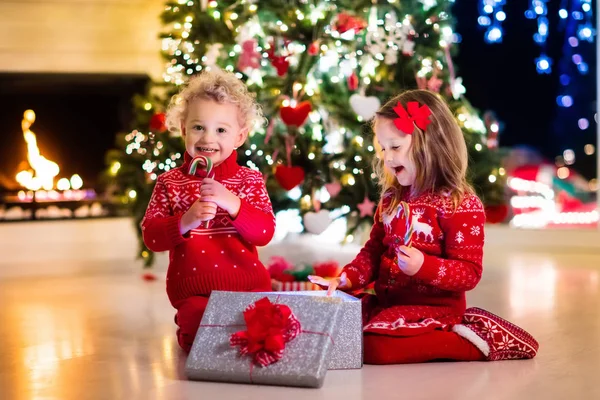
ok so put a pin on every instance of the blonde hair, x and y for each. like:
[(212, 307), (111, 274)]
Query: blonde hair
[(439, 153), (221, 87)]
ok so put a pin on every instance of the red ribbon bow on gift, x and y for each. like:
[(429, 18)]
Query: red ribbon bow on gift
[(270, 327), (415, 114)]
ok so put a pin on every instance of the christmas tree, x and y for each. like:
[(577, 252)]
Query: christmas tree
[(320, 69)]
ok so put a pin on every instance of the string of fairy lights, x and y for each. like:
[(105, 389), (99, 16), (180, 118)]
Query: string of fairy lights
[(575, 21)]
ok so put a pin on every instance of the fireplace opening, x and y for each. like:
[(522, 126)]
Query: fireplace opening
[(56, 129)]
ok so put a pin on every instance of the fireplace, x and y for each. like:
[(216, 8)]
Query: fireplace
[(56, 129)]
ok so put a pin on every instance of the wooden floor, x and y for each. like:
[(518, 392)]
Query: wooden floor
[(104, 333)]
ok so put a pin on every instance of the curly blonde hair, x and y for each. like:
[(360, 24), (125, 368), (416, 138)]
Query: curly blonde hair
[(439, 153), (219, 86)]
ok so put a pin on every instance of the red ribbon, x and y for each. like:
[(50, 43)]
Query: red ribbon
[(269, 327), (415, 115)]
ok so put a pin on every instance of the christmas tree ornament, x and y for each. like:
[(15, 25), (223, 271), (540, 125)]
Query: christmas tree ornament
[(346, 22), (281, 64), (313, 48), (295, 115), (289, 177), (316, 223), (366, 207), (213, 52), (434, 84), (364, 106), (249, 58), (157, 122), (353, 81), (390, 39), (333, 188)]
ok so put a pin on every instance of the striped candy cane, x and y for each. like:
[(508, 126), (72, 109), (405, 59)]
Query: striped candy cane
[(204, 163)]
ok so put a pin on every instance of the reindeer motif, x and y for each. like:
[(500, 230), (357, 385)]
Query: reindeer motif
[(421, 227), (388, 218)]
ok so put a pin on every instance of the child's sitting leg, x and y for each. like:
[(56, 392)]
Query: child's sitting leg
[(436, 345), (188, 317)]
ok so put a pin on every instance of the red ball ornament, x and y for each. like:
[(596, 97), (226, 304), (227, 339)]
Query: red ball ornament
[(289, 177), (346, 22), (157, 122), (353, 81), (295, 116), (313, 48)]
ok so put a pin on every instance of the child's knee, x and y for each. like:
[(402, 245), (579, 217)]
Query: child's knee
[(189, 314), (376, 349)]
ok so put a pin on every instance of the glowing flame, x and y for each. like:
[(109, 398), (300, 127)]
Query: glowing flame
[(44, 170)]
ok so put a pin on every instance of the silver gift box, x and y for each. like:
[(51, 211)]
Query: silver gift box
[(304, 361), (348, 343)]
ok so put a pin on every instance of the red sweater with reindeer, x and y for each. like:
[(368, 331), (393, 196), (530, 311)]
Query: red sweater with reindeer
[(452, 244), (222, 256)]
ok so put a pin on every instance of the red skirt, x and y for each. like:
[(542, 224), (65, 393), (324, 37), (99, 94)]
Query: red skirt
[(406, 320)]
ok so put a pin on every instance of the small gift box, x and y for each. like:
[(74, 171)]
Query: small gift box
[(264, 339), (279, 286), (347, 350), (286, 277)]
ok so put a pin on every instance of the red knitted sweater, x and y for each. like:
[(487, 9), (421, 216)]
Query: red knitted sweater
[(222, 256), (451, 241)]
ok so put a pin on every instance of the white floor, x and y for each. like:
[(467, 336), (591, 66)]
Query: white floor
[(103, 333)]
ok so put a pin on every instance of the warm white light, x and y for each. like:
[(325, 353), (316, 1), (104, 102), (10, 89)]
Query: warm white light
[(295, 193), (114, 168), (76, 182), (562, 172), (63, 184)]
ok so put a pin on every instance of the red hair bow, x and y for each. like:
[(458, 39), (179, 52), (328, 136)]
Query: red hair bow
[(269, 327), (415, 114)]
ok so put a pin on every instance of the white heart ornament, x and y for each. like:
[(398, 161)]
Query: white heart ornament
[(365, 106), (317, 223)]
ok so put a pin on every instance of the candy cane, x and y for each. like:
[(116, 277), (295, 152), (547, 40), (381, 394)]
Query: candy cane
[(204, 163), (409, 225)]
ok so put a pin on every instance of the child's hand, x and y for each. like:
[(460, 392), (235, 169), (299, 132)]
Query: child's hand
[(199, 211), (410, 260), (217, 193), (341, 282)]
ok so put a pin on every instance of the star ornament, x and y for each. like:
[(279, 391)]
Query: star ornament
[(366, 208)]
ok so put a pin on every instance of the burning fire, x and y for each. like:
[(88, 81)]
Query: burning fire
[(44, 170)]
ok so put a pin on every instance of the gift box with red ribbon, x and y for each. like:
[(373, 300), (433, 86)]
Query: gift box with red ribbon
[(268, 339), (347, 350)]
